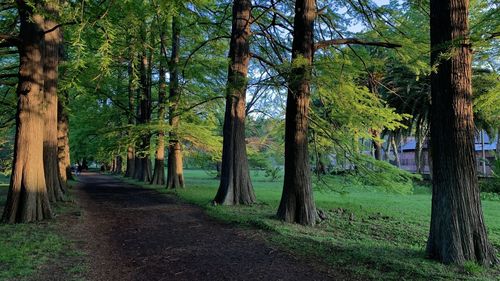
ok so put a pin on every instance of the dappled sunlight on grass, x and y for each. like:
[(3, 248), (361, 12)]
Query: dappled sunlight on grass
[(370, 233)]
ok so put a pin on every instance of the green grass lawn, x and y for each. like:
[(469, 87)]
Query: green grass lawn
[(370, 233), (25, 248)]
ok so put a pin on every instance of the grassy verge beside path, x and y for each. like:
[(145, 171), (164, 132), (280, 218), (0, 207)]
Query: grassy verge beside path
[(370, 233), (27, 248)]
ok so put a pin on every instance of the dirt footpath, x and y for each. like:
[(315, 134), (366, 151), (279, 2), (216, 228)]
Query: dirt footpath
[(131, 233)]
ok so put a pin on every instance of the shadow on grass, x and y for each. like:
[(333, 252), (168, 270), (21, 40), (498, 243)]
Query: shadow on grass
[(27, 248), (369, 261), (373, 246)]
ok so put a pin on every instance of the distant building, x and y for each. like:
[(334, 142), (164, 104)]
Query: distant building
[(483, 144)]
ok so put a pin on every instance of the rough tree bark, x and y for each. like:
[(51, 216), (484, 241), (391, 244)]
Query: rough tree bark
[(27, 199), (159, 170), (297, 203), (235, 184), (457, 232), (52, 44), (143, 165), (175, 174), (63, 140)]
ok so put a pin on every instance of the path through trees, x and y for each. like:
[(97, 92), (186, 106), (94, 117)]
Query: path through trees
[(133, 233)]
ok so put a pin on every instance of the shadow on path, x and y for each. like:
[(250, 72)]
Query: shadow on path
[(131, 233)]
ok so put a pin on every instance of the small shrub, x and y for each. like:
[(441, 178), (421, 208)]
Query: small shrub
[(491, 196)]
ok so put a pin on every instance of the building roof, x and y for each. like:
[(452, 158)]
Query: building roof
[(489, 143)]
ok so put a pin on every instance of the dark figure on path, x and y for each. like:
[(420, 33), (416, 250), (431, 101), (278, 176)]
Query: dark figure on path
[(103, 169)]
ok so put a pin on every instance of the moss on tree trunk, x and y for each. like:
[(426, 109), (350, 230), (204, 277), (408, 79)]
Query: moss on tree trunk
[(235, 183), (297, 203)]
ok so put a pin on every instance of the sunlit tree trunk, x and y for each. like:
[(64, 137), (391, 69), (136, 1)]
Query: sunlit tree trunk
[(116, 165), (159, 170), (27, 199), (377, 145), (175, 174), (297, 203), (395, 151), (457, 232), (112, 167), (129, 172), (63, 139), (235, 184), (52, 45), (388, 148)]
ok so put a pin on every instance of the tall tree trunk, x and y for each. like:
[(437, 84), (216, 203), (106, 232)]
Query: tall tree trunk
[(131, 119), (457, 231), (483, 155), (63, 139), (159, 170), (396, 152), (297, 203), (52, 43), (118, 165), (218, 167), (112, 168), (27, 199), (175, 174), (143, 168), (498, 145), (377, 145), (137, 164), (235, 184), (388, 147), (129, 172), (418, 154), (421, 133)]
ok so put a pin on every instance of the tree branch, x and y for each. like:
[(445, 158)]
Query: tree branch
[(9, 40), (195, 50), (8, 75), (255, 56), (58, 26), (349, 41), (494, 35), (8, 52), (184, 110)]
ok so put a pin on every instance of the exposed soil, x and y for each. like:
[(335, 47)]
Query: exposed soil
[(131, 233)]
